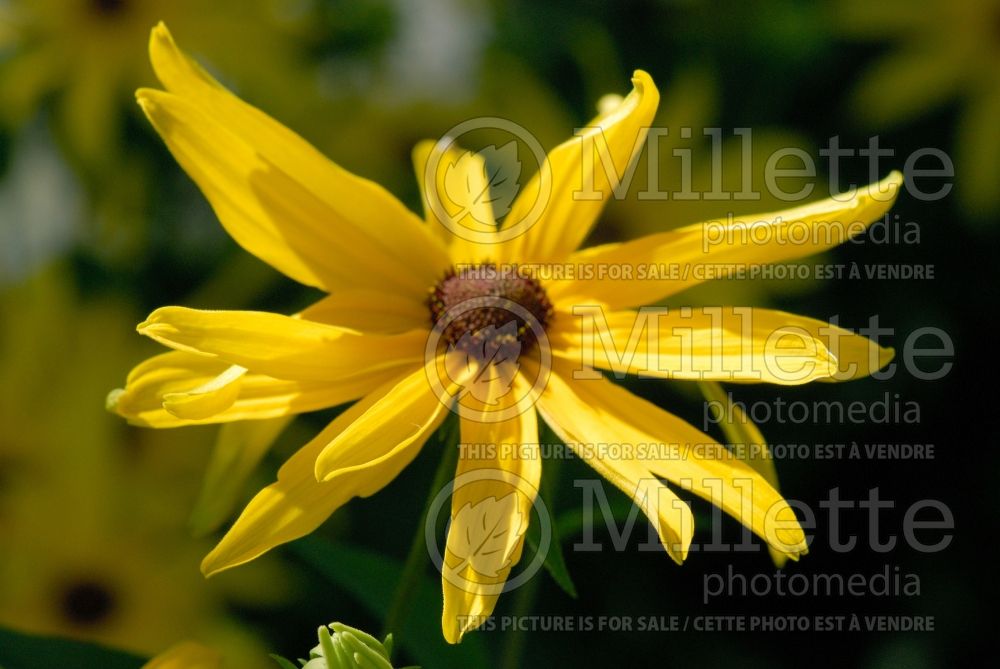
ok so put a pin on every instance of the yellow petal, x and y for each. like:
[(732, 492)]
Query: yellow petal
[(687, 256), (281, 346), (454, 169), (186, 655), (370, 312), (176, 373), (592, 412), (278, 196), (238, 450), (406, 415), (496, 482), (571, 200), (747, 441), (209, 398), (720, 343), (297, 503), (584, 429)]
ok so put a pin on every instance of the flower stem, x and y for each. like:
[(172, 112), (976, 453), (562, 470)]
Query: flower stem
[(417, 558), (514, 647)]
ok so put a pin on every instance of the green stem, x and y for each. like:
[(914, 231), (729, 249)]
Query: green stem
[(513, 649), (417, 558), (523, 604)]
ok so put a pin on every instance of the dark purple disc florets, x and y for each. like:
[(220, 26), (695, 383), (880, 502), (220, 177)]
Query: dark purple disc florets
[(481, 301)]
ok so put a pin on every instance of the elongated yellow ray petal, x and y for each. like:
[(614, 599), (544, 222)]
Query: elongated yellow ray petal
[(370, 312), (576, 186), (742, 344), (748, 444), (472, 216), (596, 411), (209, 398), (281, 346), (278, 196), (496, 481), (584, 430), (296, 504), (713, 249), (404, 416), (174, 374)]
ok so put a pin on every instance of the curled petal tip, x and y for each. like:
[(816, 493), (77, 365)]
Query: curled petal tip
[(160, 32), (887, 353), (894, 180), (209, 568), (146, 99), (641, 76), (111, 401), (643, 82)]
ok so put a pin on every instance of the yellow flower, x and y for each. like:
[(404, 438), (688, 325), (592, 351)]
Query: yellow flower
[(88, 56), (942, 52), (92, 518), (369, 339), (187, 655)]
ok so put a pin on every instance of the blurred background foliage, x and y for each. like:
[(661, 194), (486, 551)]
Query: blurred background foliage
[(98, 226)]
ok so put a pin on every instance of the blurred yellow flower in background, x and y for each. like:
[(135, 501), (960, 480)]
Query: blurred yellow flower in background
[(93, 516), (317, 223), (89, 55), (186, 655), (943, 51)]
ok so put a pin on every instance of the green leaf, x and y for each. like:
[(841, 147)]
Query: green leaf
[(570, 523), (554, 562), (27, 651), (285, 664), (370, 577)]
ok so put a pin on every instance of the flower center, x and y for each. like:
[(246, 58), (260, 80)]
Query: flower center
[(108, 8), (87, 603), (481, 303)]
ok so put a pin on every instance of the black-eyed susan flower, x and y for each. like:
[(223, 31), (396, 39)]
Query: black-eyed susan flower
[(122, 569), (85, 57), (423, 317), (186, 655)]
